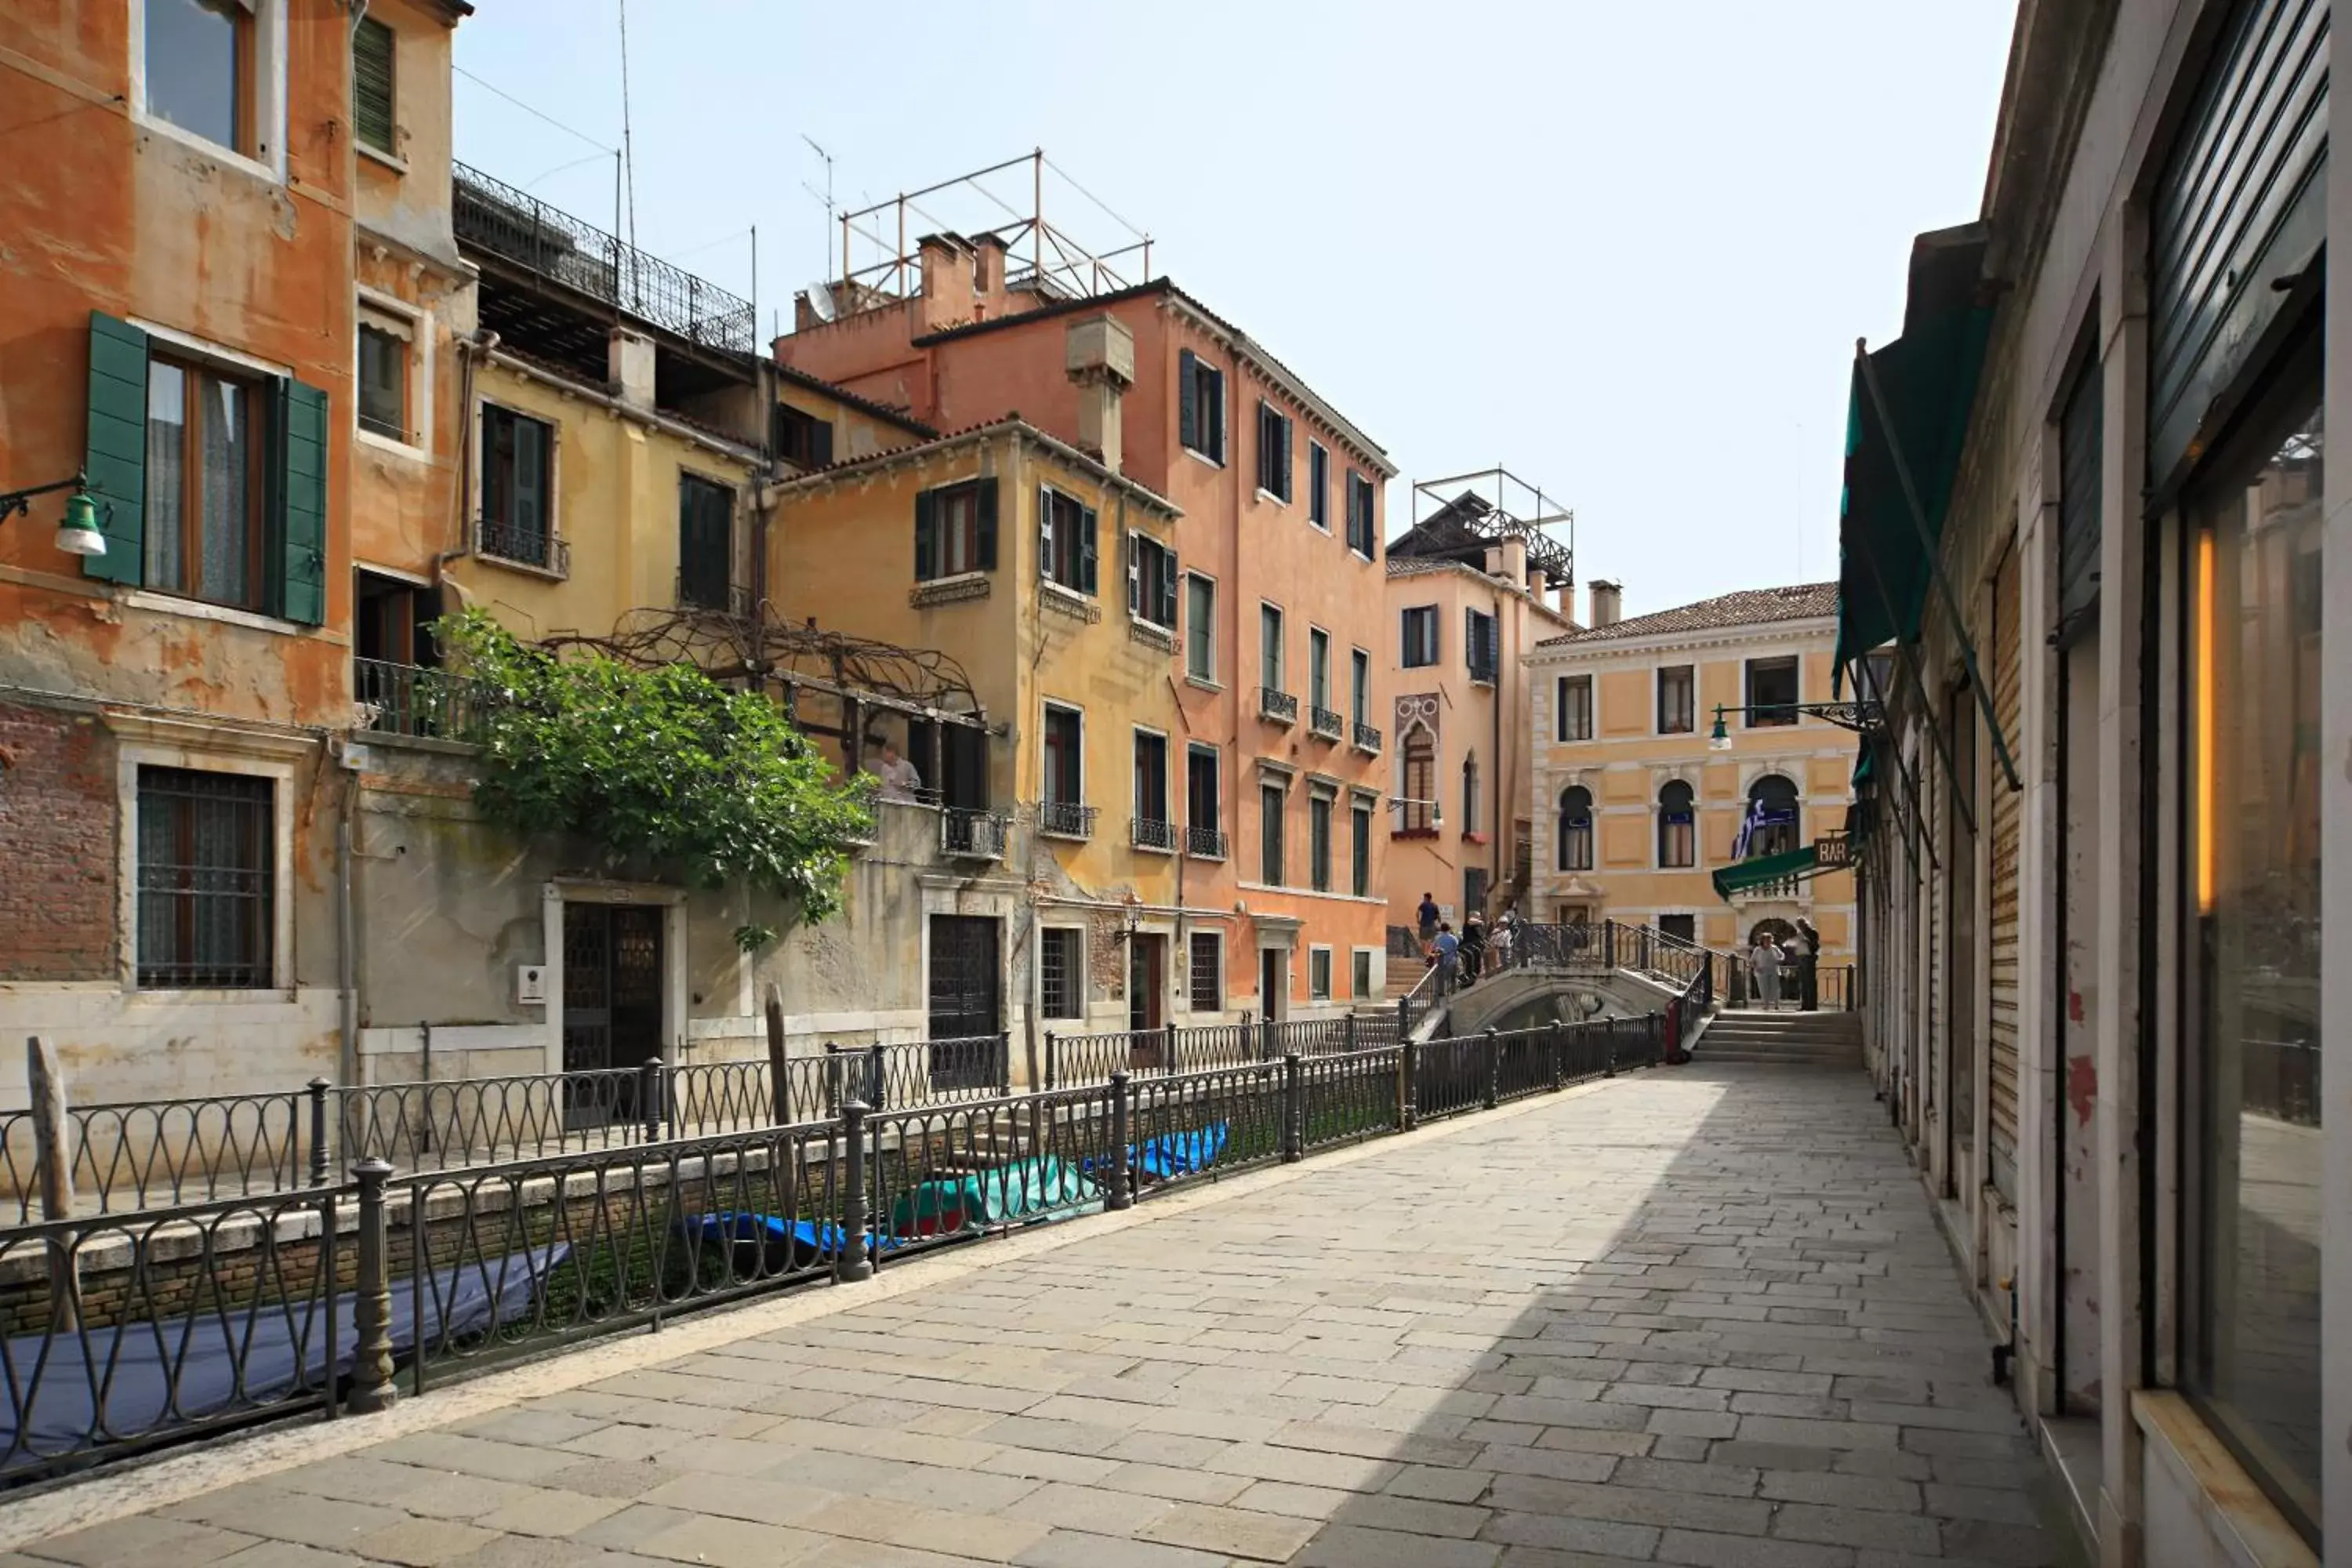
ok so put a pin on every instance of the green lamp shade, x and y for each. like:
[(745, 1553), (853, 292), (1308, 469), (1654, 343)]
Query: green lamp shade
[(79, 534)]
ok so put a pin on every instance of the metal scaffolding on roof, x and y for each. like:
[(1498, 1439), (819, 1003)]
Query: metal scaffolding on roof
[(1467, 512)]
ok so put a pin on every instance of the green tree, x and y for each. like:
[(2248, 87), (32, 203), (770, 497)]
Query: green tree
[(659, 762)]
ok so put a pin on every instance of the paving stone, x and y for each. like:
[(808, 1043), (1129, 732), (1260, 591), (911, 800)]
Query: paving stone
[(1717, 1480), (279, 1515), (1178, 1486), (728, 1497), (1096, 1510), (1856, 1527), (1439, 1483), (1236, 1533), (1840, 1490), (1560, 1532), (1075, 1549), (1703, 1550), (727, 1544), (422, 1542), (548, 1512), (1347, 1546), (144, 1538)]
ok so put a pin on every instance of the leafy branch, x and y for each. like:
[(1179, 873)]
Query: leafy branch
[(661, 762)]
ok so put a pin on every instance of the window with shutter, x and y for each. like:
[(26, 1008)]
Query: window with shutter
[(706, 544), (114, 448), (1318, 486), (1199, 406), (372, 84), (515, 512), (1065, 533), (927, 545), (1188, 399), (301, 586)]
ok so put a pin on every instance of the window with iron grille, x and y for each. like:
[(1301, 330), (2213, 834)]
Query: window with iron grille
[(207, 879), (1061, 972), (372, 84), (1207, 979), (1273, 451), (1064, 755), (516, 486)]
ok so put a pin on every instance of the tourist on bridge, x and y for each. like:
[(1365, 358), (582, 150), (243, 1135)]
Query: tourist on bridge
[(1474, 947), (1427, 915), (1446, 948), (1766, 962)]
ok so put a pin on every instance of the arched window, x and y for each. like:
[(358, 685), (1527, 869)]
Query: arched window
[(1470, 794), (1678, 826), (1771, 827), (1419, 801), (1576, 828)]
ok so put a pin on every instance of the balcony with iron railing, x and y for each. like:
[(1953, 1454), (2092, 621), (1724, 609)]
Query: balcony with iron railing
[(1065, 819), (524, 544), (1276, 707), (410, 700), (1368, 738), (1150, 833), (1482, 671), (1205, 842), (1326, 722), (511, 224), (972, 833)]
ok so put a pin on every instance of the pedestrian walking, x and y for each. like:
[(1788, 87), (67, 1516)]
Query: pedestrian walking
[(1808, 966), (1446, 949), (1474, 947), (1426, 916), (1505, 938)]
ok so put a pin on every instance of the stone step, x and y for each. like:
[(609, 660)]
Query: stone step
[(1792, 1037)]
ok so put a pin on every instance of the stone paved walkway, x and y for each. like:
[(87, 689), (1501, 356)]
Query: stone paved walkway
[(1698, 1316)]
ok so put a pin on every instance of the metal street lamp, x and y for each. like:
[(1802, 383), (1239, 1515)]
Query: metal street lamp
[(1862, 717), (78, 534)]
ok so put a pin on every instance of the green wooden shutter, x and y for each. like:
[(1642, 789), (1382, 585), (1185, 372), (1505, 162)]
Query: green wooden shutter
[(820, 445), (985, 510), (302, 497), (114, 449), (1087, 551), (531, 525), (372, 49), (925, 537), (1168, 580), (1188, 400)]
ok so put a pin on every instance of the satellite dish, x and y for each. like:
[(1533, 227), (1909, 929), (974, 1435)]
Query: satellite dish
[(819, 296)]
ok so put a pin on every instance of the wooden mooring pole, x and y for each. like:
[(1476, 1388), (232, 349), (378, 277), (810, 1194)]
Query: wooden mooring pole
[(53, 1163)]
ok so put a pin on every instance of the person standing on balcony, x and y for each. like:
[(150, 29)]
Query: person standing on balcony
[(898, 776)]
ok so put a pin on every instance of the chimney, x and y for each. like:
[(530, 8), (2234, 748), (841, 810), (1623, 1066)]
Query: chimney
[(1537, 584), (988, 274), (629, 367), (947, 281), (1100, 357), (1515, 561), (1493, 563), (1607, 602)]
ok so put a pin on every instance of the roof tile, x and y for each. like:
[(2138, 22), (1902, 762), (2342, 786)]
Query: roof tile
[(1748, 608)]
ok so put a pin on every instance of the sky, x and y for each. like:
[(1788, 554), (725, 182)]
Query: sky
[(1624, 250)]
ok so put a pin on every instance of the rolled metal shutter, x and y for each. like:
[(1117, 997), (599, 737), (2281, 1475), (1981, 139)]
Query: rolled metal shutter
[(2001, 1144), (2239, 208)]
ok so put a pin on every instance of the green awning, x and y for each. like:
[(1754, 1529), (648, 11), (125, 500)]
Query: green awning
[(1929, 377), (1744, 873)]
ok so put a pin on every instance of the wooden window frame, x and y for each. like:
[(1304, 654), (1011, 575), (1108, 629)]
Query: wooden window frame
[(192, 483)]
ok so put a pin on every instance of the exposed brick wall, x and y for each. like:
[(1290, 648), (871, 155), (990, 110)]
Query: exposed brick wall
[(57, 820)]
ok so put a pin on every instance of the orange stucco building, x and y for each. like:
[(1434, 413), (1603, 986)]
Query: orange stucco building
[(1267, 652)]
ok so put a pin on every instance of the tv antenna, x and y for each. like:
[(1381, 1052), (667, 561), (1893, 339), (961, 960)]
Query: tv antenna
[(826, 195)]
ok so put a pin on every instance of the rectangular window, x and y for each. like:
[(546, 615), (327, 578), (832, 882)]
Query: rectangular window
[(706, 544), (1064, 755), (1319, 668), (1361, 977), (1200, 406), (1318, 974), (1318, 842), (516, 516), (1066, 529), (1420, 636), (1207, 978), (204, 517), (1772, 693), (1152, 579), (800, 438), (200, 69), (1318, 486), (1062, 971), (1269, 833), (1274, 463), (1360, 525), (1676, 716), (1359, 854), (1203, 801), (373, 78), (1575, 716), (955, 529), (383, 376), (1481, 649), (1152, 787), (207, 879), (2252, 866), (1200, 626), (1360, 688), (1269, 647)]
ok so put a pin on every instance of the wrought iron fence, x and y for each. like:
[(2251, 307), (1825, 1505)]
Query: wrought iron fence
[(410, 699), (510, 223), (1065, 819), (1151, 833), (525, 544), (150, 1154), (1205, 842), (1328, 722), (972, 834), (129, 1331), (1367, 738), (1282, 706)]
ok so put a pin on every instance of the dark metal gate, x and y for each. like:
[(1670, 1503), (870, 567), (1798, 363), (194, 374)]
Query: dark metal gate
[(612, 1001), (965, 994)]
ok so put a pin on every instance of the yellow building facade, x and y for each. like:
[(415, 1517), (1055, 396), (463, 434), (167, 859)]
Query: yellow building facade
[(1636, 809)]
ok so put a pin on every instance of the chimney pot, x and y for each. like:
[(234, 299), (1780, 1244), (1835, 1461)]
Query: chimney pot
[(1607, 602), (1099, 356), (629, 367)]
